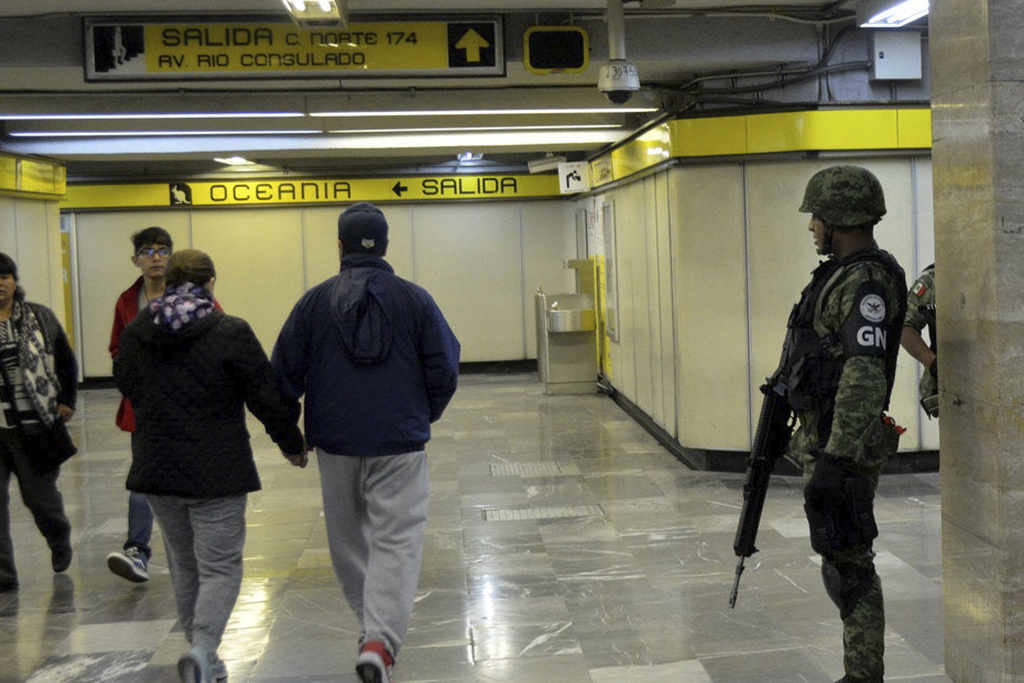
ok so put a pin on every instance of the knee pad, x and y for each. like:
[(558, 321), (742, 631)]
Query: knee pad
[(845, 586)]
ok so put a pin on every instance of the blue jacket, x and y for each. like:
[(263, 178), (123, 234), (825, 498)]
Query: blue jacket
[(374, 357)]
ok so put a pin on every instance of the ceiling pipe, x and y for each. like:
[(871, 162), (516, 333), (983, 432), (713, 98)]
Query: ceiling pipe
[(616, 30)]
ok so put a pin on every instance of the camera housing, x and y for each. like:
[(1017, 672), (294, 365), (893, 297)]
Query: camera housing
[(618, 80)]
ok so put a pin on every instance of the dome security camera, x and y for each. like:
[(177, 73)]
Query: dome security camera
[(618, 80)]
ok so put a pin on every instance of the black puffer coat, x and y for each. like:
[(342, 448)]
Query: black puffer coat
[(189, 388)]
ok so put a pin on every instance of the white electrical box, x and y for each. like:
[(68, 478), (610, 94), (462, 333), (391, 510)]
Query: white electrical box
[(895, 55)]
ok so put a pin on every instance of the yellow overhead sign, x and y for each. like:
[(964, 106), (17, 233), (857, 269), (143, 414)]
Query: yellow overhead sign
[(151, 51), (310, 191)]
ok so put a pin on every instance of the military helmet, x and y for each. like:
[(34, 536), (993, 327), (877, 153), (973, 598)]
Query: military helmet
[(844, 196)]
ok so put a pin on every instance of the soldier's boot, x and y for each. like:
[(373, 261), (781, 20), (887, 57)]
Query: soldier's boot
[(853, 679)]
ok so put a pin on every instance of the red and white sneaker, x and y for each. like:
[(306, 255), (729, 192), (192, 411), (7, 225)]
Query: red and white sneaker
[(374, 663)]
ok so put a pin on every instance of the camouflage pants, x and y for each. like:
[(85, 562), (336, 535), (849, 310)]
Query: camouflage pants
[(864, 628)]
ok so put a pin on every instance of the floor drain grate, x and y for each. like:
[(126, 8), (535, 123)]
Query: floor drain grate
[(526, 469), (551, 512)]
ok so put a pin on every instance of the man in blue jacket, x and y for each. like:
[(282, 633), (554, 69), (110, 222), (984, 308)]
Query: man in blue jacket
[(377, 364)]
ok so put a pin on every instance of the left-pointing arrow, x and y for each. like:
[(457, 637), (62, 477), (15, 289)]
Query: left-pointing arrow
[(399, 188)]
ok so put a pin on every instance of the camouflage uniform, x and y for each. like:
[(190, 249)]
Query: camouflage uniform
[(840, 363), (921, 314)]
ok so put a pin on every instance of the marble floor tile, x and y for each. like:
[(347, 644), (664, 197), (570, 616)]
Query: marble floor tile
[(564, 544)]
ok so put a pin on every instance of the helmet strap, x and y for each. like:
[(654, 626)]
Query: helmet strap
[(826, 242)]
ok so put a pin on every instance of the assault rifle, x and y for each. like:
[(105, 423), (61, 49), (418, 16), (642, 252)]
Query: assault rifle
[(774, 427)]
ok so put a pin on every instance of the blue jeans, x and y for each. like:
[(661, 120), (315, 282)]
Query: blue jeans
[(140, 524)]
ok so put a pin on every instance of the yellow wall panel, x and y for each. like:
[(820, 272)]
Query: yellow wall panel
[(709, 137), (914, 128), (8, 173), (42, 177), (825, 130)]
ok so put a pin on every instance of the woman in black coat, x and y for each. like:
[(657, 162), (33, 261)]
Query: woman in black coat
[(189, 371), (38, 382)]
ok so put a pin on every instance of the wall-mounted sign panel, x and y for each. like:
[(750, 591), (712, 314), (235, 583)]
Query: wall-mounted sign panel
[(129, 51), (232, 193), (556, 50)]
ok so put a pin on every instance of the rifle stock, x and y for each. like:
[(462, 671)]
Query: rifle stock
[(774, 427)]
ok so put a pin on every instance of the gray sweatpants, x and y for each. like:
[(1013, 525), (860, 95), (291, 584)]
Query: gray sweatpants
[(204, 539), (376, 512)]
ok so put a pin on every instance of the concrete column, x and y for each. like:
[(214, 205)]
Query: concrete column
[(977, 57)]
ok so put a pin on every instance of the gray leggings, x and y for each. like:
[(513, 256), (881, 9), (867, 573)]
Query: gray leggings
[(204, 538), (375, 511)]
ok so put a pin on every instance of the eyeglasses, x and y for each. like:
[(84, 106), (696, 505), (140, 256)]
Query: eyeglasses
[(150, 252)]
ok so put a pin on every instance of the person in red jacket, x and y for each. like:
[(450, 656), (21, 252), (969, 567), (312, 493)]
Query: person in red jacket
[(152, 249)]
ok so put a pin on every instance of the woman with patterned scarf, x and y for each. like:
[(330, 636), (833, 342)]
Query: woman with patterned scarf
[(38, 384), (190, 371)]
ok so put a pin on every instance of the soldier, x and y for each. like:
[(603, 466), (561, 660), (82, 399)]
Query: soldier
[(921, 314), (840, 362)]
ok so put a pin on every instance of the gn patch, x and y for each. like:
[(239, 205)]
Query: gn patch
[(865, 333)]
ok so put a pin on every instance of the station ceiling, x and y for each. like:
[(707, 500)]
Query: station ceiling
[(55, 103)]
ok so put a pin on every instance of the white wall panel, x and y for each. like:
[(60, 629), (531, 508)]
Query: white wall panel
[(8, 227), (652, 393), (623, 351), (105, 269), (663, 361), (30, 234), (547, 244), (469, 257), (258, 255), (482, 262), (709, 256)]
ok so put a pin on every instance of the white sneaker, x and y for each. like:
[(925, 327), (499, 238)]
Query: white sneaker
[(129, 564)]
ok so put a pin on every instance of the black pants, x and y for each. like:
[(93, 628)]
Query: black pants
[(40, 495)]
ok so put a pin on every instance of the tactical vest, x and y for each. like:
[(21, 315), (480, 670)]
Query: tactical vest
[(812, 357)]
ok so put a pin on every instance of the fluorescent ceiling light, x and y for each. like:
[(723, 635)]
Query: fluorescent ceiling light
[(891, 14), (232, 161), (151, 133), (317, 13), (470, 129), (478, 141), (102, 117), (489, 112)]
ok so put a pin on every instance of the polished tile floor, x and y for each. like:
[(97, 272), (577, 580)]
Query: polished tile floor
[(564, 545)]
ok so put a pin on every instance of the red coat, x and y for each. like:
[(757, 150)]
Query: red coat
[(125, 310)]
